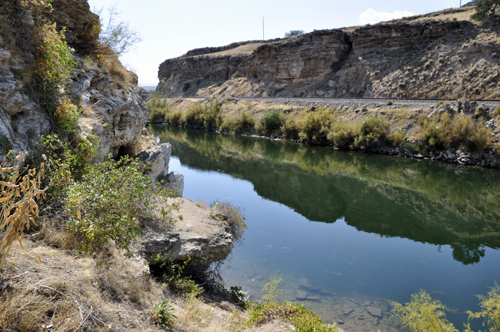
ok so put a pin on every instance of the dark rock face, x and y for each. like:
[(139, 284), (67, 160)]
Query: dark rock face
[(418, 57)]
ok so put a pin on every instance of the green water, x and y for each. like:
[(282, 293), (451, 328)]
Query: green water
[(350, 232)]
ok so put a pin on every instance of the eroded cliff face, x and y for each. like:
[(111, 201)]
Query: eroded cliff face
[(107, 95), (439, 55)]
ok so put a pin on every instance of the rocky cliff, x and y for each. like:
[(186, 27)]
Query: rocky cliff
[(438, 55), (106, 93)]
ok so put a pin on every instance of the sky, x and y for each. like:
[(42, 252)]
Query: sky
[(171, 28)]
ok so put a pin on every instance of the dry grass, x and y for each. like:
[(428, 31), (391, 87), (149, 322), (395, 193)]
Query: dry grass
[(102, 292), (72, 292), (240, 50)]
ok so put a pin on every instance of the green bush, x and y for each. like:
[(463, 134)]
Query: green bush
[(213, 117), (343, 134), (244, 123), (423, 314), (69, 163), (158, 108), (290, 128), (174, 118), (490, 309), (272, 120), (397, 138), (108, 201), (432, 136), (195, 116), (233, 216), (163, 314), (460, 132), (294, 313), (204, 115), (311, 128), (175, 275), (371, 128), (5, 144), (487, 8)]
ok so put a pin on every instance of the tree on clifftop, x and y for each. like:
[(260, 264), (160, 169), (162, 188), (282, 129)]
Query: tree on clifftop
[(294, 33), (487, 8)]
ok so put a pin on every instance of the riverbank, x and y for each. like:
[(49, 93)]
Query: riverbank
[(460, 132)]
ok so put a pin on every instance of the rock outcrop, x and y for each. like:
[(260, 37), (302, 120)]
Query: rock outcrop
[(438, 55), (112, 108), (198, 236)]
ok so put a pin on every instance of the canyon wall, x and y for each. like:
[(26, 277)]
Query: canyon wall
[(106, 94), (438, 55)]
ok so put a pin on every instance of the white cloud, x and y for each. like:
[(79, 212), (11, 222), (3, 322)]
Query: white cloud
[(371, 16)]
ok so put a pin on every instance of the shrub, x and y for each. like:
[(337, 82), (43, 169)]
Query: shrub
[(490, 308), (294, 313), (294, 33), (115, 37), (272, 290), (158, 108), (461, 129), (423, 314), (233, 216), (108, 201), (480, 139), (66, 116), (311, 128), (343, 134), (68, 163), (225, 126), (371, 128), (272, 120), (175, 275), (397, 138), (174, 118), (195, 115), (20, 190), (5, 144), (213, 118), (163, 314), (432, 134), (244, 123), (290, 128), (487, 8)]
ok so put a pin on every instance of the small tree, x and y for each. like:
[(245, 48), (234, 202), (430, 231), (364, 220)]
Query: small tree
[(294, 33), (118, 36), (487, 8)]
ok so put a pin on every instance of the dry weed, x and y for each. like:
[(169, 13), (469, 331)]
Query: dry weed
[(19, 193)]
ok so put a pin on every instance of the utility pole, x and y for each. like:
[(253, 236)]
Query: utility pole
[(263, 35)]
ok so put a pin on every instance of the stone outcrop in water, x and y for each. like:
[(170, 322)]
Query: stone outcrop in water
[(439, 55)]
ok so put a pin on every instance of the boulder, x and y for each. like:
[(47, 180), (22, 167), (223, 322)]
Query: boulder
[(198, 236), (175, 181), (156, 159)]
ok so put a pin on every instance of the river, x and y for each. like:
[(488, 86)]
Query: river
[(348, 232)]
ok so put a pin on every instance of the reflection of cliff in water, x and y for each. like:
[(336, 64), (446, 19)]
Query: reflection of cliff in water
[(366, 201)]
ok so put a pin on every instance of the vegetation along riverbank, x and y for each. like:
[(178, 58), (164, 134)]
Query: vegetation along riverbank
[(462, 132)]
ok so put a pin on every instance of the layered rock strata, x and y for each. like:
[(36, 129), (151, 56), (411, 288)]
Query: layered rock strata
[(439, 55)]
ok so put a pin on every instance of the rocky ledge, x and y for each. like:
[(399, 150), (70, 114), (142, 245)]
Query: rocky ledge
[(198, 236)]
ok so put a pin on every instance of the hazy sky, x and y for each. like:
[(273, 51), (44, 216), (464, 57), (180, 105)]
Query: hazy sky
[(171, 28)]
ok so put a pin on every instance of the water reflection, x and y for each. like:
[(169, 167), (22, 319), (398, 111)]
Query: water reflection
[(423, 201)]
